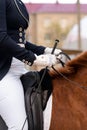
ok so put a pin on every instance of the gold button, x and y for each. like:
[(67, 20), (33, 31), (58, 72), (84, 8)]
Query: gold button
[(23, 60), (29, 63), (20, 34), (20, 40), (20, 29), (26, 62)]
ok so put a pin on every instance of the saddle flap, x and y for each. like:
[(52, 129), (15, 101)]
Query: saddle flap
[(34, 110), (30, 79), (33, 100), (36, 97)]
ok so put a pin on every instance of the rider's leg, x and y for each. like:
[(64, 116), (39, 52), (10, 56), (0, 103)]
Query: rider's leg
[(12, 106)]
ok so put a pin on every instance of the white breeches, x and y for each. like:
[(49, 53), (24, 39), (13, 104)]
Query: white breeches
[(12, 105)]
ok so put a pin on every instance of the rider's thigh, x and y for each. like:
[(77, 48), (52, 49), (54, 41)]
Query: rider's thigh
[(12, 106)]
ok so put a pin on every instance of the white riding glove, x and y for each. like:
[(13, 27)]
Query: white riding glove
[(56, 52), (45, 60)]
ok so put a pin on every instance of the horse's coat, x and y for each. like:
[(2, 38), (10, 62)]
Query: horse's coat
[(69, 108)]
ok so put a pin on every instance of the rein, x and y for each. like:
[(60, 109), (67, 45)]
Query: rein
[(39, 85), (64, 54), (71, 81)]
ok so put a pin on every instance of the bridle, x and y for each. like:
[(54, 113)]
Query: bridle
[(60, 60), (65, 77)]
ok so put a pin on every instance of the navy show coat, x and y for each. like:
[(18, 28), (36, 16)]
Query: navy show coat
[(12, 26)]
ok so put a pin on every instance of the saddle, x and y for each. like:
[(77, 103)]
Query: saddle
[(36, 97)]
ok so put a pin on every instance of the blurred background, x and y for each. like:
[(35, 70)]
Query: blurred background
[(65, 20)]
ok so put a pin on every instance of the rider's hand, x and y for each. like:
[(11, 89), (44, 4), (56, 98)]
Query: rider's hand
[(56, 52), (45, 60)]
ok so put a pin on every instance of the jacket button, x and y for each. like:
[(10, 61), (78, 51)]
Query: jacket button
[(20, 40), (29, 63), (20, 29), (23, 60), (26, 62), (20, 34)]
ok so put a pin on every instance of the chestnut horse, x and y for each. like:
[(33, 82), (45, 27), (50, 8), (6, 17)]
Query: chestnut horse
[(69, 106)]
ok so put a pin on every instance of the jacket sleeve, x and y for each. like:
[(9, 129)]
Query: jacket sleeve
[(8, 44), (35, 48)]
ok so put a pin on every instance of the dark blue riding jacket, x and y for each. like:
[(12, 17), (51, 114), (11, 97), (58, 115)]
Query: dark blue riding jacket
[(12, 26)]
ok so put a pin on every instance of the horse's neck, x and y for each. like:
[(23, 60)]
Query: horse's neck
[(69, 102)]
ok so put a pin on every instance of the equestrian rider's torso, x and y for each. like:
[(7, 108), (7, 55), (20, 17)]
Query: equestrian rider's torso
[(13, 21)]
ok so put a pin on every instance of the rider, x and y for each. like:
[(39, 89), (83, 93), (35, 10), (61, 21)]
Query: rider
[(15, 51)]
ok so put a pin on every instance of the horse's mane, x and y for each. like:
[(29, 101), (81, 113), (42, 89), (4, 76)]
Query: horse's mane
[(72, 66)]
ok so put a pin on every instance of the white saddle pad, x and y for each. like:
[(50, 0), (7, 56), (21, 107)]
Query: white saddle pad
[(47, 114)]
